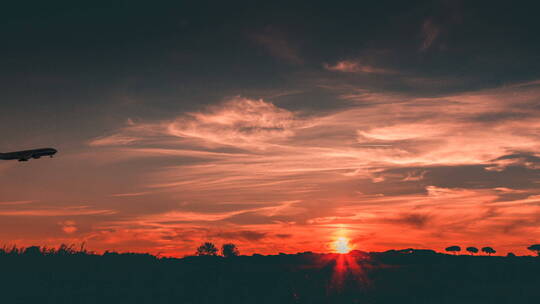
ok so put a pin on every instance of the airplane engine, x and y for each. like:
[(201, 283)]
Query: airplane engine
[(36, 156)]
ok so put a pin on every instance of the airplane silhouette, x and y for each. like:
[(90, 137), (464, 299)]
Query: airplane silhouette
[(27, 154)]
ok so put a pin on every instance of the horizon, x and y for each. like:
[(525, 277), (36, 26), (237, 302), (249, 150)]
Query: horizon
[(81, 249), (279, 128)]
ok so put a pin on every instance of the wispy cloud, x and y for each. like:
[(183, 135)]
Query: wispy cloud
[(276, 42), (16, 203), (67, 211), (113, 140), (251, 165), (247, 143), (241, 235), (430, 32), (350, 66), (130, 194)]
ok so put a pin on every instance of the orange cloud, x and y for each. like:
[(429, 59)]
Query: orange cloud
[(68, 226), (76, 210), (374, 168)]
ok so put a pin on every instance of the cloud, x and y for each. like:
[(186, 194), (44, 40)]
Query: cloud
[(283, 235), (274, 169), (348, 66), (414, 176), (424, 131), (216, 208), (256, 218), (415, 220), (132, 194), (244, 145), (239, 121), (276, 42), (16, 203), (240, 235), (528, 160), (113, 140), (430, 32), (58, 211), (68, 226)]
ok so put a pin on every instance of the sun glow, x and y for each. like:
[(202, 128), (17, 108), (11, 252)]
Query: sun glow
[(342, 245)]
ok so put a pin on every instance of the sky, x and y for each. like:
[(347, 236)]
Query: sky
[(278, 127)]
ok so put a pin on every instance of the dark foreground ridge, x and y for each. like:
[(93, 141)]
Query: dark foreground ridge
[(64, 275)]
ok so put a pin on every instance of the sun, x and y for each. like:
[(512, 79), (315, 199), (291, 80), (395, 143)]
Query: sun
[(342, 245)]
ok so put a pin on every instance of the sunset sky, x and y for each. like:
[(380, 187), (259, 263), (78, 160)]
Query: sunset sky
[(278, 127)]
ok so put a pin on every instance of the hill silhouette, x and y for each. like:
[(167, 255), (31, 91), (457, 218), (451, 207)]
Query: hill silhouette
[(68, 275)]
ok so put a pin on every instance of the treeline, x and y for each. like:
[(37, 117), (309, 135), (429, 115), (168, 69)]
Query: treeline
[(210, 249), (489, 250)]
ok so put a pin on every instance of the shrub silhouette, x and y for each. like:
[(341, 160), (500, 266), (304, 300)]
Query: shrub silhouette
[(64, 249), (454, 249), (472, 250), (488, 250), (535, 248), (207, 249), (33, 251), (229, 250)]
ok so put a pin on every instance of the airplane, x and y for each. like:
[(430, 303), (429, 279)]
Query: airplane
[(27, 154)]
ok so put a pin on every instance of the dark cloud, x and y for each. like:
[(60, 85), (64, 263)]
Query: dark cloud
[(506, 195), (283, 235), (277, 43), (414, 220), (211, 207), (521, 158), (256, 218), (476, 177), (519, 175), (246, 235), (523, 225), (497, 117)]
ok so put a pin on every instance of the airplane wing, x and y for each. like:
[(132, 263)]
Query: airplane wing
[(25, 156)]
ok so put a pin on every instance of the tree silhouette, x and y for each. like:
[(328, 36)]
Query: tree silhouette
[(229, 250), (207, 249), (488, 250), (33, 251), (472, 250), (535, 248), (454, 249)]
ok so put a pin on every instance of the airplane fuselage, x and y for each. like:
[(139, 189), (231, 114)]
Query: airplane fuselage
[(27, 154)]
